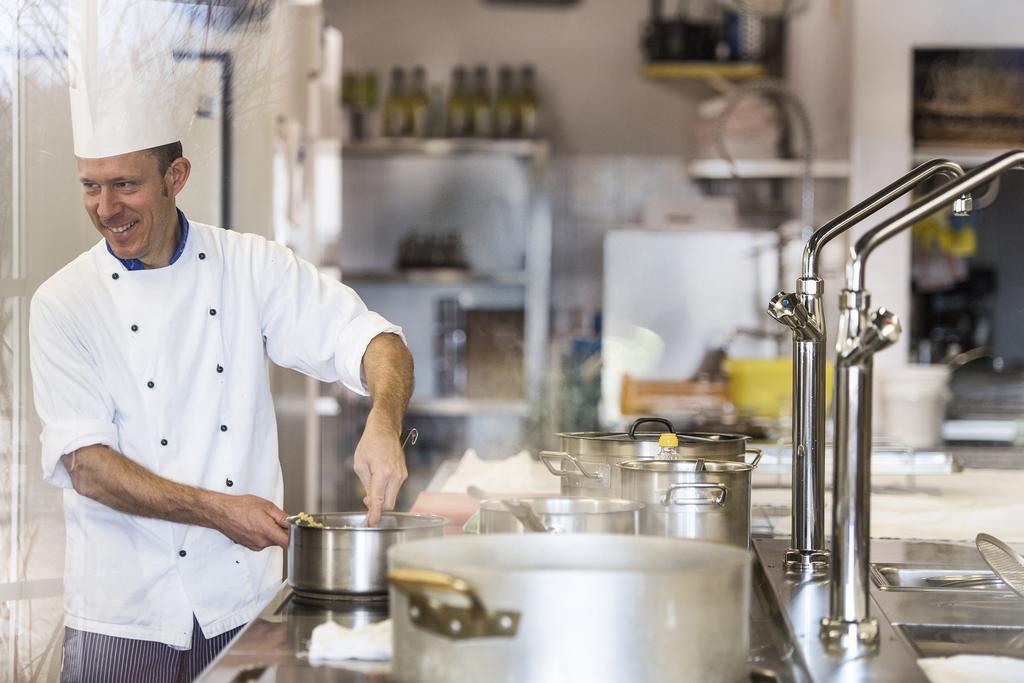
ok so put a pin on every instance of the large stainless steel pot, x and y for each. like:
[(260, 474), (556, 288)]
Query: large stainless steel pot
[(561, 514), (586, 463), (692, 498), (345, 557), (586, 607)]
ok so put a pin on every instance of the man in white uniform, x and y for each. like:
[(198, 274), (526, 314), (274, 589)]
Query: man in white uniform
[(148, 356)]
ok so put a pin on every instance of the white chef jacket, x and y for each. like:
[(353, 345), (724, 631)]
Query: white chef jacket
[(168, 367)]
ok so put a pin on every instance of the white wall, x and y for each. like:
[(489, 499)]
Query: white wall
[(818, 71), (587, 57), (589, 64), (884, 35)]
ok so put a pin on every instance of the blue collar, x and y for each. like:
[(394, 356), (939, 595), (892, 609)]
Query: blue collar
[(136, 264)]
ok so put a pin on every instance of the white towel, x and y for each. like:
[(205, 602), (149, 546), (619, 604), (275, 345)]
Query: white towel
[(520, 473), (331, 641), (973, 668)]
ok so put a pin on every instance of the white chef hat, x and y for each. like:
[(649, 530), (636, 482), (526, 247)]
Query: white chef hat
[(121, 77)]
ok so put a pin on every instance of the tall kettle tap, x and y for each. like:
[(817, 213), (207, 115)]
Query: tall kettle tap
[(849, 628), (802, 312)]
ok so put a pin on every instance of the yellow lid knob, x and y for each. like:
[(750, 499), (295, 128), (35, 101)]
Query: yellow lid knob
[(668, 440)]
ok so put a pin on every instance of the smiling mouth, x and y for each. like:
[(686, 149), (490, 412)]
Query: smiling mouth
[(122, 228)]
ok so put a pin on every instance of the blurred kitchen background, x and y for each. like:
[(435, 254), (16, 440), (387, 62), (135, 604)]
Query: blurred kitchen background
[(576, 209)]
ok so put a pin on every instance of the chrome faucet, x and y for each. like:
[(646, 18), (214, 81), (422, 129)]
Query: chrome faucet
[(849, 627), (802, 312)]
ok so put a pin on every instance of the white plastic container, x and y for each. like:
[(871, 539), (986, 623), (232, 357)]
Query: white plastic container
[(912, 403)]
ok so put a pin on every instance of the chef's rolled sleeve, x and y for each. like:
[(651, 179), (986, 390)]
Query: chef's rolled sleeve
[(355, 337), (75, 409), (65, 437), (313, 323)]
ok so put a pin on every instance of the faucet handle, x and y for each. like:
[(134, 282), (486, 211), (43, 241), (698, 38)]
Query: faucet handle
[(882, 331), (787, 308)]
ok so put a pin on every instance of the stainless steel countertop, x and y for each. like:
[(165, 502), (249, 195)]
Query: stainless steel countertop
[(273, 646), (912, 623), (784, 620)]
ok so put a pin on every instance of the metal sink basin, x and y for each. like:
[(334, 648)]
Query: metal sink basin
[(946, 641), (921, 577)]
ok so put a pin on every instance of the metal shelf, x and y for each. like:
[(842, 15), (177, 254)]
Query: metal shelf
[(444, 147), (720, 169), (434, 276), (667, 71)]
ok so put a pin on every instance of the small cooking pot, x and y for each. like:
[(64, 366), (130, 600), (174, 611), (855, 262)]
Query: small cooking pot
[(692, 498), (560, 514), (586, 463), (346, 557)]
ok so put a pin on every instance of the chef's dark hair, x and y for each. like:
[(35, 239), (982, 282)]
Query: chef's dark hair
[(165, 155)]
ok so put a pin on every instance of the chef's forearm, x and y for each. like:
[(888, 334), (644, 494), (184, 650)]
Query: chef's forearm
[(110, 478), (388, 366)]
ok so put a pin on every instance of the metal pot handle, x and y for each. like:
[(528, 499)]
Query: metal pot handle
[(714, 500), (643, 420), (450, 621), (757, 456), (547, 456)]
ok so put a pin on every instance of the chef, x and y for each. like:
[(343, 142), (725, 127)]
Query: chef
[(148, 357)]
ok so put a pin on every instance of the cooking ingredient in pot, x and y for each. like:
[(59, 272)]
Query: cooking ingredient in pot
[(302, 519)]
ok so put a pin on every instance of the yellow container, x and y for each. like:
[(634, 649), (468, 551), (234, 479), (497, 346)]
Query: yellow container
[(764, 386)]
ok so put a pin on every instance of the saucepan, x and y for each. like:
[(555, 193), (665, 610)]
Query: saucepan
[(336, 553), (344, 556)]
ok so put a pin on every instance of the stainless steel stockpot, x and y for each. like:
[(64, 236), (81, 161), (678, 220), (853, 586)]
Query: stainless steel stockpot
[(586, 463), (693, 498), (562, 514), (549, 608), (345, 557)]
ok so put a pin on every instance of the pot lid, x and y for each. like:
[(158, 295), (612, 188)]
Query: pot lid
[(634, 434)]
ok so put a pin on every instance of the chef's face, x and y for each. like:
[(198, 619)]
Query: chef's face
[(131, 203)]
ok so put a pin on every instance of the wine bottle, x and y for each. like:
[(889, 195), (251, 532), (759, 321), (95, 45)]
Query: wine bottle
[(482, 110), (506, 109), (418, 103), (394, 113), (529, 103), (458, 116)]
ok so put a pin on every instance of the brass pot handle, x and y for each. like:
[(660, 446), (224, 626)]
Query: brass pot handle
[(714, 500), (450, 621), (547, 456)]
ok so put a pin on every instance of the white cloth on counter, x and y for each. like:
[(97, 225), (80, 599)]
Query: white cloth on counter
[(973, 668), (332, 641), (520, 473), (954, 507)]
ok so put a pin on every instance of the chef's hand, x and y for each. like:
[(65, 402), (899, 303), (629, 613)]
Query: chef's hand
[(251, 521), (380, 465)]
